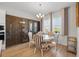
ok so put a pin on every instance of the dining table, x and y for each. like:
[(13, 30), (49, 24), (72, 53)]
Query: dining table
[(49, 40)]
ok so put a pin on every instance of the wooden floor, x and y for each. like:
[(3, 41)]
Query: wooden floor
[(22, 50)]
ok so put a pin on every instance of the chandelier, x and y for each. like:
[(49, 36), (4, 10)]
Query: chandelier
[(40, 15)]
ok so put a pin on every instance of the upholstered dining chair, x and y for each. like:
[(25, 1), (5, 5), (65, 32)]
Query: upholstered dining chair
[(39, 44)]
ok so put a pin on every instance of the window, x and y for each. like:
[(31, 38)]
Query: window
[(57, 24)]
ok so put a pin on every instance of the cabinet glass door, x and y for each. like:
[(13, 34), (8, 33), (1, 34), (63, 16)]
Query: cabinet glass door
[(30, 26), (35, 27)]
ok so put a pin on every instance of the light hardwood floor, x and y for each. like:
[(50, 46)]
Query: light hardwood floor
[(23, 50)]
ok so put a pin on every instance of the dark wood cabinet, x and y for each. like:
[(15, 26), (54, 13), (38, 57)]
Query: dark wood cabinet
[(13, 30), (17, 30)]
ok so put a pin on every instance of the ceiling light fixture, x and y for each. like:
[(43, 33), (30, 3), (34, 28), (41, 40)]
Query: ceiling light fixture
[(40, 15)]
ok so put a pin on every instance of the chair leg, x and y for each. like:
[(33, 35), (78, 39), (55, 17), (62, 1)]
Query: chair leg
[(34, 50), (41, 52)]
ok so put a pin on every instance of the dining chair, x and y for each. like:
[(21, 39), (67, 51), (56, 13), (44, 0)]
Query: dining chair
[(39, 44), (56, 38)]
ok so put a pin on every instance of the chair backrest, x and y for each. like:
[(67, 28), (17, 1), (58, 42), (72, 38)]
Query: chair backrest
[(30, 35), (38, 39), (56, 37), (50, 33)]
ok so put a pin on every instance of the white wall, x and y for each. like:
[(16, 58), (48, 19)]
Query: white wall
[(72, 21)]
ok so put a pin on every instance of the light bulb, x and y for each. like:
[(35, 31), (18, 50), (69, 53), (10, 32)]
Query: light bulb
[(37, 16)]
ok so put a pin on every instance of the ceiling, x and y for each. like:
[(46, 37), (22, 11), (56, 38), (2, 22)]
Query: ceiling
[(34, 7)]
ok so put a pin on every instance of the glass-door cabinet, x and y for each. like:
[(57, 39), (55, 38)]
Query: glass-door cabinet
[(34, 26)]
